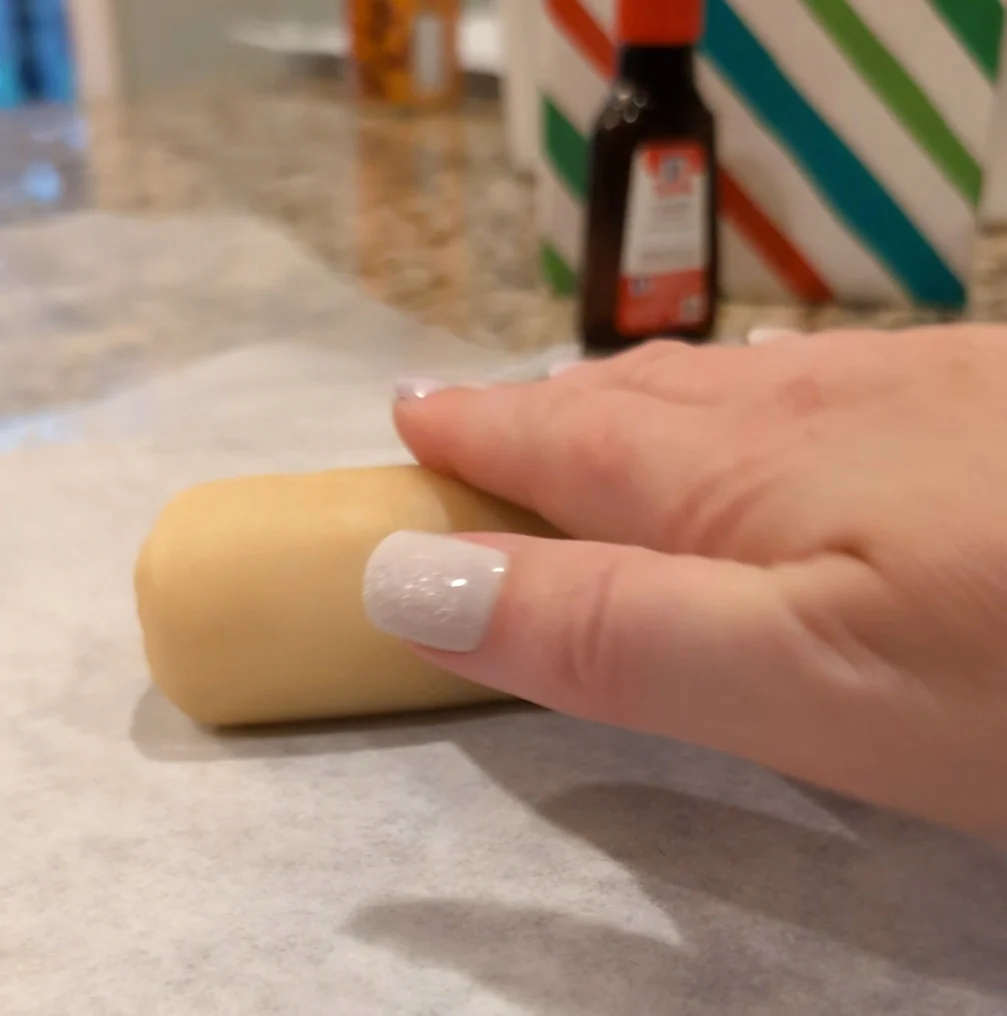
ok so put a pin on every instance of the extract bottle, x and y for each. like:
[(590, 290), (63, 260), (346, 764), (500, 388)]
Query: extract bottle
[(651, 260)]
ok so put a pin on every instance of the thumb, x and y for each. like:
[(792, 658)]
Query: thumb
[(708, 651)]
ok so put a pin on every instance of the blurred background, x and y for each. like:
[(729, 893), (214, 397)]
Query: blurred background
[(238, 120), (126, 118), (128, 47)]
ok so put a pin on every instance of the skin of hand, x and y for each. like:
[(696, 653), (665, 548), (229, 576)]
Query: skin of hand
[(795, 553)]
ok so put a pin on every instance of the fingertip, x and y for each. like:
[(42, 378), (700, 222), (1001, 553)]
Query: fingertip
[(454, 429), (420, 419), (415, 389), (565, 366), (762, 336)]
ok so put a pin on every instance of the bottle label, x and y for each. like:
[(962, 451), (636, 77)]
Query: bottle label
[(664, 283)]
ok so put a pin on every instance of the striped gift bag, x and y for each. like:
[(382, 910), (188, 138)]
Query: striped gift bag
[(852, 136), (10, 57)]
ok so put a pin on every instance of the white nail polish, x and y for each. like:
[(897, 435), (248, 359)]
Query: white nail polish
[(758, 336), (433, 590), (409, 389), (563, 366)]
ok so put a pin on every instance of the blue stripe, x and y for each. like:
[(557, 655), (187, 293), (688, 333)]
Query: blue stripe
[(10, 58), (839, 176), (50, 47)]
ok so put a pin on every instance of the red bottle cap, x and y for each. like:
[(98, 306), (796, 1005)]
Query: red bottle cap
[(660, 22)]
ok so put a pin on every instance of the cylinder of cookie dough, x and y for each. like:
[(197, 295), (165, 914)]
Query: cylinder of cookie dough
[(249, 594)]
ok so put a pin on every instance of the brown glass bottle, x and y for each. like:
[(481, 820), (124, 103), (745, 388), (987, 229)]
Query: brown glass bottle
[(651, 259)]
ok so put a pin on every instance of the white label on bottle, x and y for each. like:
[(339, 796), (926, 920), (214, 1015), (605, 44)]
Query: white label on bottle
[(429, 56), (666, 249)]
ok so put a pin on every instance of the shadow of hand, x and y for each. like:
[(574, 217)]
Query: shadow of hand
[(926, 900), (548, 962)]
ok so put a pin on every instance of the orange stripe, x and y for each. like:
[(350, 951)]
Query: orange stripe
[(776, 250), (793, 269), (589, 36)]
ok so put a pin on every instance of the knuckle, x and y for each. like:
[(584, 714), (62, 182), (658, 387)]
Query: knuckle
[(605, 456), (637, 368), (802, 394), (588, 650), (588, 434), (548, 422), (557, 408), (715, 512)]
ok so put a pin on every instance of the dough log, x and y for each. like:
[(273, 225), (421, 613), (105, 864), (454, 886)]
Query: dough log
[(249, 594)]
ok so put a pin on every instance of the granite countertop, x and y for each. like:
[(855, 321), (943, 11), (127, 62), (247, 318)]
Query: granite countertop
[(423, 214)]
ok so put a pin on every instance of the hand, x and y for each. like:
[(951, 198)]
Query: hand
[(795, 553)]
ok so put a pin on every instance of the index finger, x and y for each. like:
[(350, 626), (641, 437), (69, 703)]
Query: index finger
[(599, 463)]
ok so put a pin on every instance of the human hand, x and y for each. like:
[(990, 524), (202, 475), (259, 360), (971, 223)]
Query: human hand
[(795, 553)]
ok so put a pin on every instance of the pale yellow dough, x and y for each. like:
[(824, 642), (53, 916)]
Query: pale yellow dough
[(249, 594)]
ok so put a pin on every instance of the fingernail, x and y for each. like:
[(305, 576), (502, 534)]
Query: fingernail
[(409, 389), (433, 590), (563, 366), (757, 336)]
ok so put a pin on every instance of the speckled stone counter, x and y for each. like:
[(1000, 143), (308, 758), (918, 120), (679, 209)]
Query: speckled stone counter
[(423, 214)]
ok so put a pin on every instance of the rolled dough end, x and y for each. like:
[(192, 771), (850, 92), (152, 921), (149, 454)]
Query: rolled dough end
[(249, 595)]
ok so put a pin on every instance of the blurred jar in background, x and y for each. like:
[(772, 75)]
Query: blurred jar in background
[(406, 51)]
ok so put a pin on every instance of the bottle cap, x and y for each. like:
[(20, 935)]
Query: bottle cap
[(660, 22)]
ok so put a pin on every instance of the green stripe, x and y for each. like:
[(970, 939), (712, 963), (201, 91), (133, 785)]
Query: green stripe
[(899, 91), (844, 182), (978, 25), (567, 149), (558, 274)]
